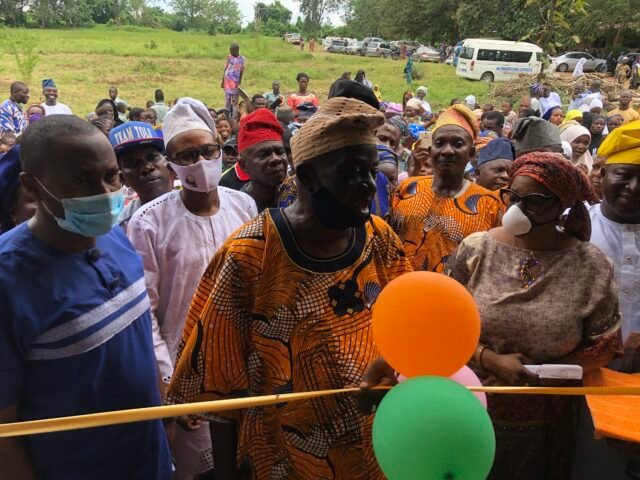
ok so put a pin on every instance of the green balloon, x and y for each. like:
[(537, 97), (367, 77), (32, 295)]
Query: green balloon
[(432, 428)]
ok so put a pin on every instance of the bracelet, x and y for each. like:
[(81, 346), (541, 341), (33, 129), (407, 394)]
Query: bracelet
[(477, 357)]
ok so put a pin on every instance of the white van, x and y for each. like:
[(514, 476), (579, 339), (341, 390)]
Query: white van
[(489, 60)]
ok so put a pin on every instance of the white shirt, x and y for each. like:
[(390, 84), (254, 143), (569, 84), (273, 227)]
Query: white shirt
[(176, 247), (621, 243), (426, 106), (57, 109), (552, 101)]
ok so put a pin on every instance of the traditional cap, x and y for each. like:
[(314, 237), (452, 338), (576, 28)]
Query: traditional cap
[(415, 104), (497, 149), (470, 101), (257, 127), (285, 114), (533, 133), (353, 89), (622, 145), (231, 143), (133, 134), (48, 83), (422, 88), (386, 155), (9, 181), (187, 114), (340, 122), (460, 116)]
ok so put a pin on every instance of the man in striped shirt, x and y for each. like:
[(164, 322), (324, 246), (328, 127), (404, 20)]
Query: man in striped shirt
[(75, 327)]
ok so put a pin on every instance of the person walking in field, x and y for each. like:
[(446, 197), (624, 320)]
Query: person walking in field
[(312, 45), (302, 44), (232, 77), (408, 69)]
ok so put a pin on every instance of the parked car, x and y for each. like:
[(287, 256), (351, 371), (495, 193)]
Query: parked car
[(354, 48), (337, 46), (426, 54), (567, 62), (411, 45), (373, 39), (293, 38), (379, 49)]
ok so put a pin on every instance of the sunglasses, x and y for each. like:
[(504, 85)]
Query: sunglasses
[(191, 156), (532, 202)]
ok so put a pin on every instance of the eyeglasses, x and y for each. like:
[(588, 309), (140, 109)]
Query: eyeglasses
[(191, 156), (532, 202), (136, 163)]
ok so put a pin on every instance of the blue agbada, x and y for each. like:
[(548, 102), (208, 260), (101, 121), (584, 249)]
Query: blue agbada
[(9, 181)]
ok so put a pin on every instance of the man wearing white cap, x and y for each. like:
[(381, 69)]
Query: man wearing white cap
[(176, 235)]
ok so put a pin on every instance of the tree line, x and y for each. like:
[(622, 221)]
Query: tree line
[(553, 24), (214, 16)]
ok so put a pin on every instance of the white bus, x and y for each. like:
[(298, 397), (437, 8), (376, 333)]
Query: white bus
[(489, 60)]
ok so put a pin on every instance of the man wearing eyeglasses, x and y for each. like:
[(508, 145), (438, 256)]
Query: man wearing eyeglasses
[(176, 235), (140, 153)]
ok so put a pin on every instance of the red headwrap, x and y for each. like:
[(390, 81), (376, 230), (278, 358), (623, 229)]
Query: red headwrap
[(566, 182), (257, 127)]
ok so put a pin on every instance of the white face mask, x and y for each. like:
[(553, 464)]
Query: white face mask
[(202, 176), (516, 222)]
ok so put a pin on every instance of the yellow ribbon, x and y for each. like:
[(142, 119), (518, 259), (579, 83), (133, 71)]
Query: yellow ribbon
[(103, 419)]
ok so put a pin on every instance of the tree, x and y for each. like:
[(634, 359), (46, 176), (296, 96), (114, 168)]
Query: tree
[(553, 28), (45, 11), (276, 12), (12, 12), (315, 11), (192, 11), (224, 16)]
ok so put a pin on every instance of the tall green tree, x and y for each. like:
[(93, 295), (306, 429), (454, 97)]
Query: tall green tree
[(316, 11), (224, 16)]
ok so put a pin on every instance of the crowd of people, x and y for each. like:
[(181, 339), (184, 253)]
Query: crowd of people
[(180, 253)]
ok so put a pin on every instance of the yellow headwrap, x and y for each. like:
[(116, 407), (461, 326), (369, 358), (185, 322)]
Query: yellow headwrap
[(572, 115), (622, 145), (460, 116)]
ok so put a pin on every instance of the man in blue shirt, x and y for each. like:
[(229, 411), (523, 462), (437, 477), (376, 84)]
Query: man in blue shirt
[(11, 116), (75, 328)]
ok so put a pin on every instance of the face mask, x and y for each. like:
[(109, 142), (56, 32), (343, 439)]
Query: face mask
[(516, 222), (202, 176), (34, 118), (333, 214), (89, 216)]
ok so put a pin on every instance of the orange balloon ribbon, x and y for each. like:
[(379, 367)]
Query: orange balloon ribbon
[(102, 419)]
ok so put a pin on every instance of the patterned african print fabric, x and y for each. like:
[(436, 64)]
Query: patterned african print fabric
[(268, 319), (431, 226)]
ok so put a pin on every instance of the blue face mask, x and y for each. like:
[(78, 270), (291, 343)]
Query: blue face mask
[(89, 216)]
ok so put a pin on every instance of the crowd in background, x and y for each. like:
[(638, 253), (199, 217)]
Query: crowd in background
[(180, 252)]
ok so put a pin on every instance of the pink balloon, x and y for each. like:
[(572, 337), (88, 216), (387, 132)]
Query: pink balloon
[(466, 378)]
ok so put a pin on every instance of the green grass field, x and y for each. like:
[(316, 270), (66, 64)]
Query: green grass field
[(85, 62)]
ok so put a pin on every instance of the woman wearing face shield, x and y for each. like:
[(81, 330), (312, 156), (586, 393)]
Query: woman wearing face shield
[(546, 295)]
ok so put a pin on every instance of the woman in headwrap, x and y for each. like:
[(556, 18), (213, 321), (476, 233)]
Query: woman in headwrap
[(556, 303), (579, 138), (554, 115), (596, 125), (106, 107), (573, 116), (432, 215)]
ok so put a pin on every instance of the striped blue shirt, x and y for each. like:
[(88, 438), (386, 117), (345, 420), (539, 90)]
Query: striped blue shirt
[(75, 337)]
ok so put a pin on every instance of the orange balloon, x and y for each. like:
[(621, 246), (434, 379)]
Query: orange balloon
[(426, 323)]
